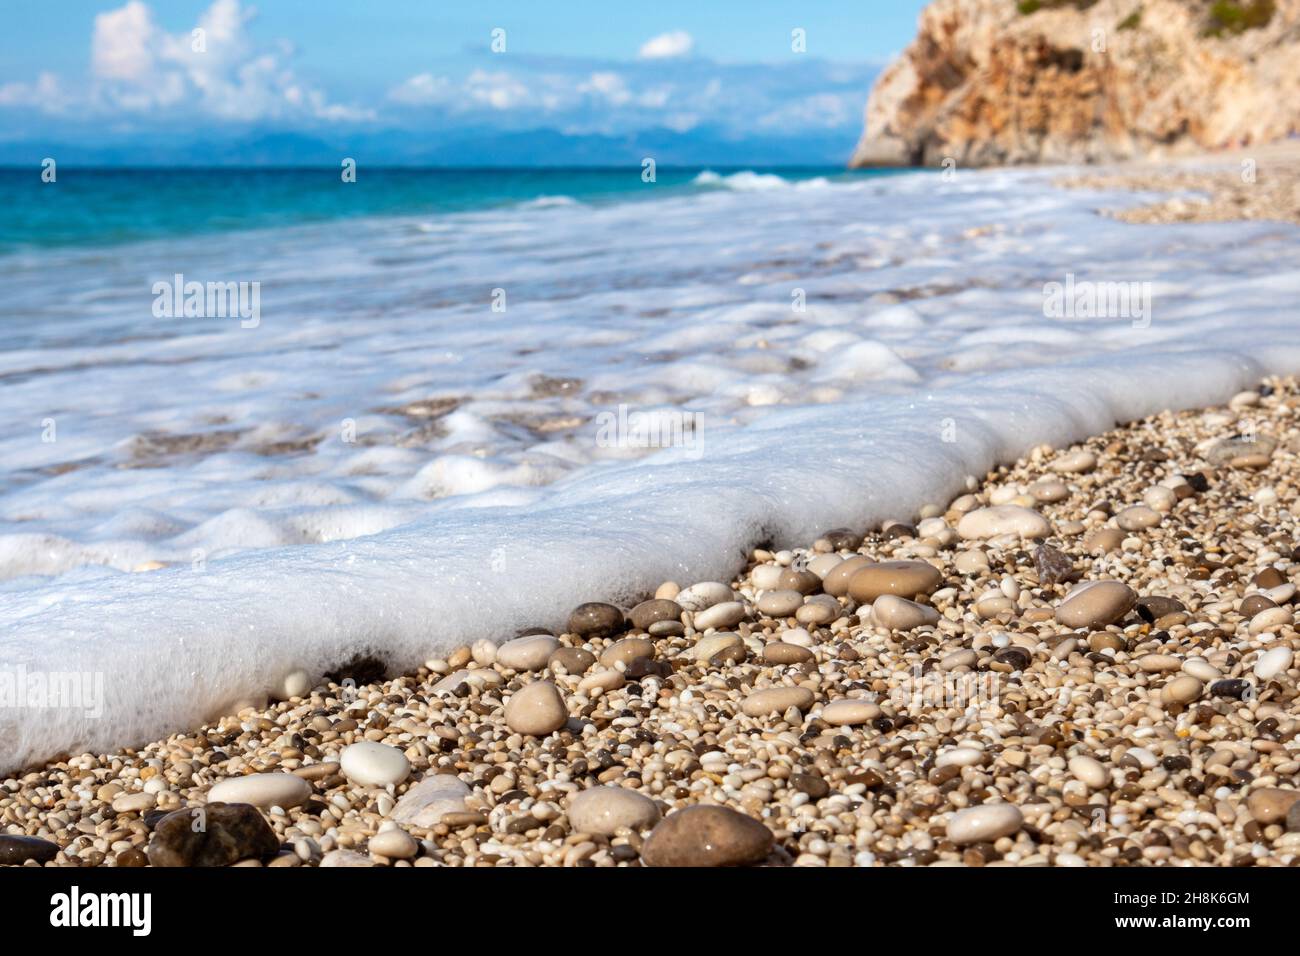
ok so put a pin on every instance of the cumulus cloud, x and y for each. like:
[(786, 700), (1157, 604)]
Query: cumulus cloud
[(137, 67), (667, 46)]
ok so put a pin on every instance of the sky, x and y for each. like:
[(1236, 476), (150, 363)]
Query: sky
[(182, 79)]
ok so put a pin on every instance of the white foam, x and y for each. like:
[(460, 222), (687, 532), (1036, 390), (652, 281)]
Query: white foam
[(290, 547)]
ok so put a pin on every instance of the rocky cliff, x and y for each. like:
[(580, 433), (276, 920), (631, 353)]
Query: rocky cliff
[(1000, 82)]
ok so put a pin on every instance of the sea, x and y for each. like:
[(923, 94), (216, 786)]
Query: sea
[(258, 420)]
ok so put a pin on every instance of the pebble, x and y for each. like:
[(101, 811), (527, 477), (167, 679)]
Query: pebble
[(1270, 619), (849, 711), (984, 823), (134, 802), (1075, 463), (903, 578), (726, 614), (603, 811), (574, 660), (395, 844), (652, 612), (345, 858), (527, 653), (1096, 604), (16, 850), (704, 595), (776, 700), (1270, 804), (706, 647), (900, 614), (779, 652), (836, 581), (779, 603), (374, 764), (296, 683), (626, 651), (707, 835), (1274, 662), (1137, 518), (229, 832), (1182, 690), (262, 790), (1089, 771), (1003, 519), (537, 709), (425, 803), (595, 619)]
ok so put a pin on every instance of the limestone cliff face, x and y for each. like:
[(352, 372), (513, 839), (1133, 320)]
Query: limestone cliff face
[(1001, 82)]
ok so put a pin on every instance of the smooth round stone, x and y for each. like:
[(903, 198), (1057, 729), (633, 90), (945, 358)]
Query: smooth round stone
[(425, 803), (595, 619), (985, 823), (1049, 491), (899, 614), (1252, 604), (1137, 518), (704, 595), (262, 790), (1270, 619), (970, 562), (1096, 604), (537, 710), (836, 581), (706, 647), (1160, 498), (903, 578), (374, 764), (1182, 690), (726, 614), (849, 711), (805, 582), (527, 653), (779, 603), (394, 844), (818, 613), (136, 802), (1270, 804), (606, 810), (626, 651), (1075, 463), (1103, 540), (766, 577), (960, 757), (1089, 771), (574, 660), (776, 700), (1002, 519), (823, 563), (1158, 663), (707, 835), (962, 658), (652, 612), (16, 850), (1274, 662), (778, 652), (293, 684), (1201, 669)]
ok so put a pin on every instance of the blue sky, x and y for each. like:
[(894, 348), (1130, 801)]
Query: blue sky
[(87, 72)]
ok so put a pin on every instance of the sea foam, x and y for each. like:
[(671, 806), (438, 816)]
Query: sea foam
[(478, 498)]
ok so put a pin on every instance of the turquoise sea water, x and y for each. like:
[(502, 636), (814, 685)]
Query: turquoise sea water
[(107, 206)]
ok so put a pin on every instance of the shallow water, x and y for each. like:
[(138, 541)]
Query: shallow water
[(385, 462)]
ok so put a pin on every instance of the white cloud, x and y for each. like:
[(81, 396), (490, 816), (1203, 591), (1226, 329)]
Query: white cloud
[(45, 95), (667, 45), (214, 69)]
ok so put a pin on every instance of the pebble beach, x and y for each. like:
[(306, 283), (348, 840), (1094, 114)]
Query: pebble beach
[(1085, 659)]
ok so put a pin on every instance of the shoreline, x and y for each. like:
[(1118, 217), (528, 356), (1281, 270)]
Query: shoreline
[(1149, 725)]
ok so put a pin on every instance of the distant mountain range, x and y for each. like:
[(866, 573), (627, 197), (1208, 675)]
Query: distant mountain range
[(461, 147)]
